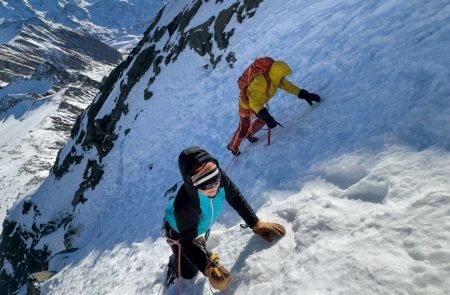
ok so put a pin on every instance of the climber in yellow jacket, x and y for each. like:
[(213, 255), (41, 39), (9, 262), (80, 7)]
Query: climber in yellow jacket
[(260, 90)]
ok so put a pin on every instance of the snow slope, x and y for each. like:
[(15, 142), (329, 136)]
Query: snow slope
[(33, 127), (21, 145), (361, 181), (360, 240)]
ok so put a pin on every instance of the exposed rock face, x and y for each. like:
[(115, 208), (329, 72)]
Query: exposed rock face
[(162, 44)]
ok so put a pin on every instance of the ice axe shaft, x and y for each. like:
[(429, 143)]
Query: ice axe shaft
[(211, 257), (269, 130)]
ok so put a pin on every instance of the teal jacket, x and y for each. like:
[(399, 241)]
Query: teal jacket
[(210, 211), (191, 214)]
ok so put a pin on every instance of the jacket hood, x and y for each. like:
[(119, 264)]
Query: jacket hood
[(190, 159), (278, 71)]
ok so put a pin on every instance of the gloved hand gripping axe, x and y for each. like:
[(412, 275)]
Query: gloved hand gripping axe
[(212, 258)]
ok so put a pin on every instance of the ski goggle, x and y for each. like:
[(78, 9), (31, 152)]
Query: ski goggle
[(209, 185)]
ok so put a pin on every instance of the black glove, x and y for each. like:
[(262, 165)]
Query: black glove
[(309, 97), (264, 115)]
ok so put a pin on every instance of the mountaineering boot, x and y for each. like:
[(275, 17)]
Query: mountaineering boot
[(252, 138), (171, 274), (235, 142), (235, 153)]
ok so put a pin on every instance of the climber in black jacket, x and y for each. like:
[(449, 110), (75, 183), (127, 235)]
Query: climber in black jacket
[(197, 205)]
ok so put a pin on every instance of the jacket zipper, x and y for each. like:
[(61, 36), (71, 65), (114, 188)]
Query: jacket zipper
[(212, 214)]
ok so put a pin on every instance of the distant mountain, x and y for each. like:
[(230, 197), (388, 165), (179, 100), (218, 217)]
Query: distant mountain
[(28, 43), (53, 57), (36, 116), (50, 73), (116, 22)]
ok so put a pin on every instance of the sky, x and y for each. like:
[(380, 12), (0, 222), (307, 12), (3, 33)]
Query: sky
[(360, 181)]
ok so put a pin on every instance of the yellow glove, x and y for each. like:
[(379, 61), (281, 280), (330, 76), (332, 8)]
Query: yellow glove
[(219, 277), (268, 230)]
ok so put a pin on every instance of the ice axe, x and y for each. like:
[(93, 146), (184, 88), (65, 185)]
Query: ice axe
[(268, 132), (211, 257)]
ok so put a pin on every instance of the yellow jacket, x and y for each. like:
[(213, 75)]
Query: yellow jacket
[(257, 92)]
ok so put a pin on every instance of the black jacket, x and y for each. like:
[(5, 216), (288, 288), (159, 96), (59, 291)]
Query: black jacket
[(187, 211)]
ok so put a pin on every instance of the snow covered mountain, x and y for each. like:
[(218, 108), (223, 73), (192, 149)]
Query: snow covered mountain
[(34, 30), (36, 115), (51, 74), (37, 41), (51, 66), (118, 23), (361, 182)]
